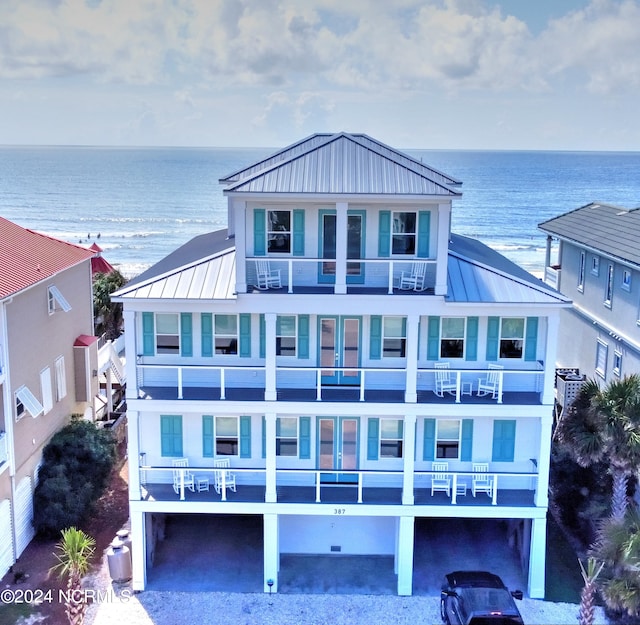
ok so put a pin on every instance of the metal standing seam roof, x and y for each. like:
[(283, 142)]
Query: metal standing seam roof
[(342, 164), (28, 257), (609, 229)]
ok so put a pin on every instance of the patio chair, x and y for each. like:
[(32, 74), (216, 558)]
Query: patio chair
[(182, 476), (489, 384), (481, 482), (444, 380), (440, 480), (414, 279), (222, 473), (266, 277)]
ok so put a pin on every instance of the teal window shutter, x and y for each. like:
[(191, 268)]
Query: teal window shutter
[(429, 440), (424, 233), (298, 232), (259, 232), (245, 335), (264, 437), (171, 436), (207, 436), (466, 444), (375, 337), (148, 334), (304, 435), (186, 334), (493, 336), (531, 339), (206, 334), (245, 436), (504, 440), (472, 339), (384, 234), (373, 442), (433, 340), (303, 336), (263, 337)]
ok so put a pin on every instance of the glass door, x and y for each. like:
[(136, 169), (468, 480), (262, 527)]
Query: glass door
[(355, 247), (340, 347), (338, 449)]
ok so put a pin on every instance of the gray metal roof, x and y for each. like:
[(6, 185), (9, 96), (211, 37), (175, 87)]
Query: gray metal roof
[(611, 230), (341, 164)]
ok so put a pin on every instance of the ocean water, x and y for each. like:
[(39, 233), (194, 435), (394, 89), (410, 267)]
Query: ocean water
[(139, 204)]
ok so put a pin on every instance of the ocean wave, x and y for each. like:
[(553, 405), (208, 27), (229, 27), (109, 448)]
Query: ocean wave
[(515, 247)]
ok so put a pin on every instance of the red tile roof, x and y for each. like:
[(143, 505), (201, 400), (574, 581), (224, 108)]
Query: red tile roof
[(27, 257)]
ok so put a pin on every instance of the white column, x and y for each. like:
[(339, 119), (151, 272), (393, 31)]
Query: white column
[(133, 453), (341, 247), (404, 555), (131, 350), (271, 552), (270, 494), (544, 459), (238, 230), (551, 344), (444, 218), (547, 252), (409, 454), (138, 550), (537, 558), (411, 371), (270, 393)]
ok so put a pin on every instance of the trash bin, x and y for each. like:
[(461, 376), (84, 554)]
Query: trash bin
[(119, 561)]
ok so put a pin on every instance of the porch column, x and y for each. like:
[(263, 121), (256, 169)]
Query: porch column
[(271, 552), (537, 558), (404, 555), (270, 357), (409, 455), (237, 230), (544, 459), (553, 325), (138, 550), (341, 247), (442, 256), (129, 317), (270, 494), (109, 389), (133, 452), (547, 252), (410, 393)]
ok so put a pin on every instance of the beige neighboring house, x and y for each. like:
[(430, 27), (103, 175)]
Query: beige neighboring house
[(48, 364)]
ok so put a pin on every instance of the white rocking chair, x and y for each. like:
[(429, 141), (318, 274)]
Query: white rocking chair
[(182, 476), (414, 279), (440, 481), (444, 381), (481, 482), (266, 277), (489, 384), (223, 475)]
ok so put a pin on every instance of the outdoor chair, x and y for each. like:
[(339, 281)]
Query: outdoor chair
[(445, 382), (222, 474), (440, 480), (266, 277), (414, 279), (181, 475), (481, 482), (489, 384)]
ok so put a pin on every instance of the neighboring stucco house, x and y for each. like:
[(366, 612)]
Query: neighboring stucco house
[(598, 267), (47, 356), (300, 348)]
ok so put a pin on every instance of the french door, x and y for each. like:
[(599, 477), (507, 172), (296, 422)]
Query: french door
[(338, 448), (355, 246), (340, 339)]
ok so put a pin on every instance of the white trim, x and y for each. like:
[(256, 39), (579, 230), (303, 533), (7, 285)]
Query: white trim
[(58, 297), (29, 401)]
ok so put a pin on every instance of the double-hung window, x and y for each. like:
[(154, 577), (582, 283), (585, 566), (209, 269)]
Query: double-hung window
[(617, 363), (394, 337), (287, 436), (583, 265), (626, 279), (608, 291), (602, 350), (452, 335), (226, 334), (279, 231), (391, 439), (167, 333), (61, 378), (448, 439), (595, 265), (226, 436), (46, 390), (403, 234), (286, 335), (512, 337)]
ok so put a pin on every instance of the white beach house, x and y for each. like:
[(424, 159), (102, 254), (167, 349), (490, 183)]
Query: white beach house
[(340, 364)]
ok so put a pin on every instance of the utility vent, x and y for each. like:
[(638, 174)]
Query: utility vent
[(336, 548)]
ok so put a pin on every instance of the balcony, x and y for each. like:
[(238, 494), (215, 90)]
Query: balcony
[(295, 384)]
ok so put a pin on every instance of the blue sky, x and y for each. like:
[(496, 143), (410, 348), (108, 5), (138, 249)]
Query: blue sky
[(432, 74)]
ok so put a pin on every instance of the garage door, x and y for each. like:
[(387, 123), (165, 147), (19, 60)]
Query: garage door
[(6, 537), (24, 515)]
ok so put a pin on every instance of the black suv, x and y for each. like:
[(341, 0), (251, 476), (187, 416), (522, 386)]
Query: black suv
[(478, 598)]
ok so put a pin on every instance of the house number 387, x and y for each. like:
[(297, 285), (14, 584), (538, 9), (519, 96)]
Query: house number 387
[(339, 511)]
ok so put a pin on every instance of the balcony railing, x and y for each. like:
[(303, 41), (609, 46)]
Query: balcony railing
[(340, 487)]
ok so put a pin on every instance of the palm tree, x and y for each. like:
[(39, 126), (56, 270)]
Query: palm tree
[(588, 594), (108, 315), (75, 551), (604, 424)]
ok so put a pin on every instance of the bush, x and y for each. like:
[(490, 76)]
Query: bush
[(76, 465)]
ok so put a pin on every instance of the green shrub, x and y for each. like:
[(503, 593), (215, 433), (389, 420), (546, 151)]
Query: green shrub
[(76, 465)]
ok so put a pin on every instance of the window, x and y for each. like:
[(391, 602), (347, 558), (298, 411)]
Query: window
[(595, 265), (617, 363), (226, 334), (167, 333), (626, 279), (61, 379), (394, 337), (56, 300), (279, 231), (226, 436), (608, 292), (601, 359), (452, 337), (511, 337), (448, 438), (583, 262), (391, 438), (287, 436), (26, 402), (404, 233), (45, 388), (286, 335), (171, 436)]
